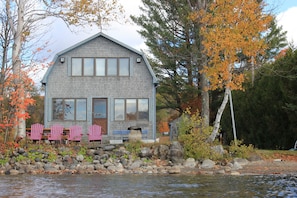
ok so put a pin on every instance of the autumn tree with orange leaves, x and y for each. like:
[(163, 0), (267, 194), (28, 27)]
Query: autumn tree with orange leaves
[(230, 28), (11, 103)]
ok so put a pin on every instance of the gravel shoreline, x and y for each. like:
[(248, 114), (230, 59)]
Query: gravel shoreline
[(267, 167)]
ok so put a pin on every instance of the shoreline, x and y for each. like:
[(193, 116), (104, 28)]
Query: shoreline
[(166, 171), (270, 167), (252, 168), (262, 167), (151, 160)]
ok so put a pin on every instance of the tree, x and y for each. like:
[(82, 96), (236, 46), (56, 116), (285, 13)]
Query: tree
[(5, 41), (24, 16), (250, 127), (275, 39), (230, 28), (175, 43), (266, 112)]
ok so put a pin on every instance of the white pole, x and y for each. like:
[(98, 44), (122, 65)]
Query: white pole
[(232, 117)]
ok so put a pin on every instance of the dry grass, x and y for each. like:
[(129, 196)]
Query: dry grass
[(273, 154)]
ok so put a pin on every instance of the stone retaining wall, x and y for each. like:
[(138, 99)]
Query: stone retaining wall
[(116, 159)]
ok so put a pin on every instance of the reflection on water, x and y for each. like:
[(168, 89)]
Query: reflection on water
[(147, 186)]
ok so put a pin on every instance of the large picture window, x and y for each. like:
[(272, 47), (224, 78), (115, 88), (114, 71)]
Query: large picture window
[(69, 109), (100, 67), (131, 109)]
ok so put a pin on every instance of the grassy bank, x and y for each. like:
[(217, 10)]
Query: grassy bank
[(285, 155)]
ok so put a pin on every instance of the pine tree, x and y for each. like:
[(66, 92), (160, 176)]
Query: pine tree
[(175, 44)]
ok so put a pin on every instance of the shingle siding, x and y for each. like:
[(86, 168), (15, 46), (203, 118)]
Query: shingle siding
[(60, 84)]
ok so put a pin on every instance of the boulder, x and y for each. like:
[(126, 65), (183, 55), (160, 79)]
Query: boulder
[(13, 172), (236, 166), (207, 163), (241, 161), (109, 147), (21, 151), (220, 172), (119, 168), (145, 152), (218, 149), (254, 157), (190, 163), (174, 170), (136, 164), (163, 151), (124, 161), (176, 153), (80, 158)]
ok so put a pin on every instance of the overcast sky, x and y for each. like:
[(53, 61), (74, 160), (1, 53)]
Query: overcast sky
[(62, 38)]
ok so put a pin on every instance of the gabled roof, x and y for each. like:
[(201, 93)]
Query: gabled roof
[(155, 81)]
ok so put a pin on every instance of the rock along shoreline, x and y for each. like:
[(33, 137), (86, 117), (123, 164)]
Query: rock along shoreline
[(116, 159)]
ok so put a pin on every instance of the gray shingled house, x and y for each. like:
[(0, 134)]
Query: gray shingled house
[(101, 81)]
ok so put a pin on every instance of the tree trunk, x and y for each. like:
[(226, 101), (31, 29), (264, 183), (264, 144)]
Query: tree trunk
[(253, 72), (17, 29), (204, 80), (205, 100), (217, 122)]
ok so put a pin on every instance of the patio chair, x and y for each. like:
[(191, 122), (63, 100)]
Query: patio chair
[(94, 133), (36, 132), (56, 133), (75, 133)]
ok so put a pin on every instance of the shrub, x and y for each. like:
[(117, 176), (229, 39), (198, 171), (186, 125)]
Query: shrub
[(83, 152), (194, 137), (240, 150), (134, 147), (3, 159)]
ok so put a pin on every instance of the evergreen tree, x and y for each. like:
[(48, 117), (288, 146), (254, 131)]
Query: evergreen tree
[(266, 114), (174, 42), (276, 41)]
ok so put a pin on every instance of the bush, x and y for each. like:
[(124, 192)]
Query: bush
[(240, 150), (134, 147), (194, 137)]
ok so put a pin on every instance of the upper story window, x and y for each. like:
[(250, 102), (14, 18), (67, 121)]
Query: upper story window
[(100, 67)]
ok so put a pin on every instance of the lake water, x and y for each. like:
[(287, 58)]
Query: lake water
[(147, 186)]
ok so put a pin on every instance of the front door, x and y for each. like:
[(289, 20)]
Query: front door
[(100, 113)]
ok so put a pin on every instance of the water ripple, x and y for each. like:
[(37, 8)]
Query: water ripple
[(113, 186)]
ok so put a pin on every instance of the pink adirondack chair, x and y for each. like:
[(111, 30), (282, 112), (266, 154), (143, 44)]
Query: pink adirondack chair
[(75, 133), (56, 133), (36, 132), (94, 133)]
